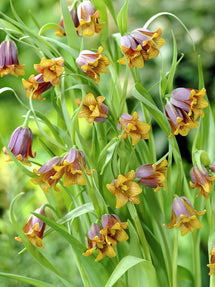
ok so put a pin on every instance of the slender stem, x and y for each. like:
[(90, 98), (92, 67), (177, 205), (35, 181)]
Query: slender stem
[(196, 259), (25, 124), (175, 259), (140, 231)]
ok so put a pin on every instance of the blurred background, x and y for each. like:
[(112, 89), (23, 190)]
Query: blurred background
[(197, 15)]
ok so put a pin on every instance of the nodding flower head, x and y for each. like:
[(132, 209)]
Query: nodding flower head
[(9, 63)]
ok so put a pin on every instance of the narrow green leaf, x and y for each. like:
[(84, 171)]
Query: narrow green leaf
[(173, 68), (72, 37), (47, 27), (93, 273), (33, 250), (122, 18), (7, 89), (111, 9), (128, 262), (185, 277), (24, 279)]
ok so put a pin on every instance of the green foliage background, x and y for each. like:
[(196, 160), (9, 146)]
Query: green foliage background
[(197, 15)]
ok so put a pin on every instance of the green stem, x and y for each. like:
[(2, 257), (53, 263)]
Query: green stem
[(175, 259), (25, 124), (196, 259), (140, 231)]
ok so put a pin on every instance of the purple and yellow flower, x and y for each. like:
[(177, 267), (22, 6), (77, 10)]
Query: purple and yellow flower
[(46, 173), (35, 86), (135, 128), (92, 64), (212, 166), (201, 180), (152, 175), (179, 120), (113, 229), (51, 69), (185, 214), (97, 241), (190, 100), (105, 238), (125, 189), (212, 264), (71, 165), (93, 109), (34, 229), (20, 145), (141, 45), (9, 63), (88, 19), (61, 32)]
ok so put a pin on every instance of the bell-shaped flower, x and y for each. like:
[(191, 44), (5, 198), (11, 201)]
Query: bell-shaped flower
[(201, 180), (46, 173), (92, 64), (61, 32), (113, 229), (88, 19), (133, 127), (51, 69), (97, 241), (93, 109), (72, 164), (185, 214), (20, 145), (9, 63), (190, 100), (35, 86), (125, 189), (34, 229), (149, 41), (179, 120), (133, 52), (152, 175), (212, 264)]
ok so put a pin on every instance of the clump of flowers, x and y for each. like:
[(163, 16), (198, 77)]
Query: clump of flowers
[(135, 128), (152, 175), (92, 64), (201, 180), (34, 229), (93, 109), (185, 214), (105, 237), (141, 45), (125, 189), (20, 145), (9, 63)]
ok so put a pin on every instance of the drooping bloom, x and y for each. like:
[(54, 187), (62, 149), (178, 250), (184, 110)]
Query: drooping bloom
[(135, 128), (212, 167), (88, 19), (51, 69), (34, 229), (61, 32), (35, 86), (97, 241), (46, 173), (20, 145), (185, 214), (212, 264), (125, 189), (93, 109), (179, 120), (152, 175), (71, 165), (141, 45), (190, 100), (9, 63), (201, 180), (113, 229), (92, 64), (105, 238)]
